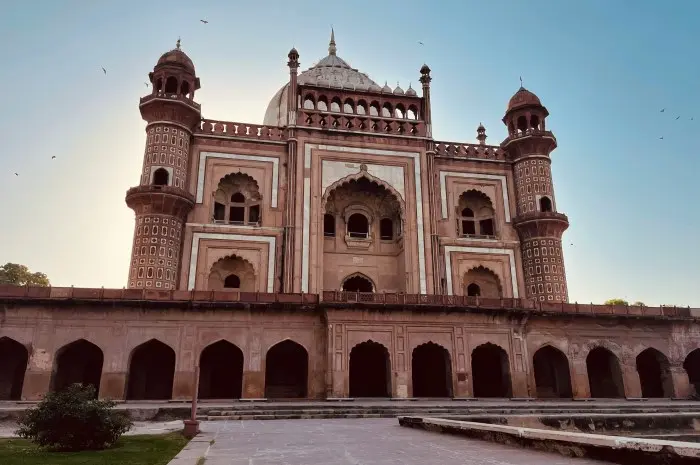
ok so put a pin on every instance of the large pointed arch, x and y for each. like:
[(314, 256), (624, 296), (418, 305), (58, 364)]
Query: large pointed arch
[(370, 370), (358, 276), (286, 370), (151, 371), (221, 371), (79, 361), (373, 179), (13, 365), (232, 266)]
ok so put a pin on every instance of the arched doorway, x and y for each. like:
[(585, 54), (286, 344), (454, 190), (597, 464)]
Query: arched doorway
[(13, 364), (552, 375), (77, 362), (370, 370), (491, 371), (151, 371), (654, 374), (358, 283), (604, 374), (221, 371), (286, 371), (431, 371), (691, 364)]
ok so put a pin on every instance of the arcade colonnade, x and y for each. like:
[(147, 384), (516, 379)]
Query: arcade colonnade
[(344, 360)]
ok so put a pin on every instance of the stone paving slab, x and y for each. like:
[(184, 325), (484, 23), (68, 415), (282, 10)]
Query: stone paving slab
[(355, 442)]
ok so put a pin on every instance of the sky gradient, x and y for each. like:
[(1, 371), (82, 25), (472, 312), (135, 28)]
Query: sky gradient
[(604, 69)]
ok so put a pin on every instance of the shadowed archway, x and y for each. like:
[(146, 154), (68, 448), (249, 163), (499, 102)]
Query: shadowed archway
[(286, 371), (77, 362), (691, 365), (221, 371), (431, 371), (370, 370), (655, 375), (491, 371), (151, 371), (604, 374), (13, 365), (552, 375)]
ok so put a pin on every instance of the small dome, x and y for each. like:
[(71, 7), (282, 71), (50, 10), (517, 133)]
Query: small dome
[(176, 57), (386, 88), (481, 128), (522, 98), (424, 69), (374, 88), (398, 90), (410, 92)]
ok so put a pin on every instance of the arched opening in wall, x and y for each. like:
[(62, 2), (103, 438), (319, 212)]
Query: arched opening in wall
[(482, 282), (399, 112), (13, 365), (77, 362), (431, 371), (322, 104), (386, 229), (185, 88), (535, 122), (412, 112), (358, 226), (604, 374), (357, 283), (232, 281), (161, 177), (473, 290), (309, 102), (374, 109), (151, 372), (691, 365), (361, 108), (171, 85), (335, 105), (370, 370), (654, 374), (221, 371), (349, 106), (522, 124), (387, 111), (237, 200), (545, 204), (328, 225), (490, 371), (232, 273), (552, 375), (159, 85), (477, 215), (286, 371)]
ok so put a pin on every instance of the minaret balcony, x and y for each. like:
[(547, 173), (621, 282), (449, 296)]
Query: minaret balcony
[(546, 224), (170, 97), (529, 133), (160, 199)]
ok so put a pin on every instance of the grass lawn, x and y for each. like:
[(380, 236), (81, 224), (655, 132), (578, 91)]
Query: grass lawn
[(130, 450)]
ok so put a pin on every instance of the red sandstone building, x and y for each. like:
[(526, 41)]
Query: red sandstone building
[(338, 250)]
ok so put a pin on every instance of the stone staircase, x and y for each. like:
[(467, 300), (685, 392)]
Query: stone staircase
[(289, 411)]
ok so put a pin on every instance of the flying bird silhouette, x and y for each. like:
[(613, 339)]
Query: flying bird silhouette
[(53, 157), (204, 21), (661, 138), (146, 84), (421, 42), (691, 118), (16, 174), (677, 118), (104, 70), (663, 110)]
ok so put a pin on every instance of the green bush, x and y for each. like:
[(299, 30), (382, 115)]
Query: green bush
[(73, 420)]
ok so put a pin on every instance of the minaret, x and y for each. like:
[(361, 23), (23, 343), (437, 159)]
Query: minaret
[(161, 201), (537, 221)]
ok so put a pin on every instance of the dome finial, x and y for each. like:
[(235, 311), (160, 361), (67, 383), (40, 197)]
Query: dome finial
[(521, 82), (177, 44), (331, 46)]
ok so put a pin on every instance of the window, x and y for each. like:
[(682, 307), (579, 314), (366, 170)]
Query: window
[(219, 211), (358, 283), (328, 225), (468, 226), (473, 290), (545, 204), (386, 229), (237, 200), (358, 226), (232, 282), (161, 177), (254, 214), (476, 215)]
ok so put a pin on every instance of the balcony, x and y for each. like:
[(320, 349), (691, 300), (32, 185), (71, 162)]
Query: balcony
[(170, 97)]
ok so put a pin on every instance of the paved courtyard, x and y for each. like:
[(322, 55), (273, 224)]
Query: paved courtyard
[(352, 442)]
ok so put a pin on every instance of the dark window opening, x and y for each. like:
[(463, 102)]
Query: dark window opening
[(386, 229), (254, 214), (238, 198), (473, 290), (221, 371), (655, 375), (328, 225), (236, 215), (370, 370), (552, 376), (286, 371), (185, 88), (171, 85), (468, 227), (545, 204), (431, 371), (534, 122), (219, 211), (13, 365), (486, 227), (151, 372), (491, 371), (358, 226), (232, 282), (161, 177), (78, 362), (604, 374), (357, 284)]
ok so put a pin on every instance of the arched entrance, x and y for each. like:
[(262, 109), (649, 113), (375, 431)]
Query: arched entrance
[(654, 374), (358, 283), (13, 364), (370, 370), (491, 371), (552, 376), (691, 364), (221, 371), (77, 362), (431, 371), (151, 371), (604, 374), (286, 371)]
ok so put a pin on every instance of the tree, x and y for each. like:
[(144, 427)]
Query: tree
[(19, 275), (616, 302), (639, 303)]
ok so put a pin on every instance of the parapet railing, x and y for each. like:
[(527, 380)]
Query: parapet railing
[(364, 123), (244, 130), (9, 292), (153, 188), (540, 215), (163, 95), (465, 150), (529, 132)]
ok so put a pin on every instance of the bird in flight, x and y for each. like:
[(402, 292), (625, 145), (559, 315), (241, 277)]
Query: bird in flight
[(421, 42), (146, 84), (104, 70), (677, 118), (16, 174), (691, 118), (53, 157), (661, 138), (204, 21), (663, 110)]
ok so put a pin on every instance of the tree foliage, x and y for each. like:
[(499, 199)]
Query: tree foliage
[(616, 302), (19, 275), (73, 420)]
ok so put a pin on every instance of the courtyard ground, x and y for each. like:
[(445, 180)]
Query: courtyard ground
[(349, 442)]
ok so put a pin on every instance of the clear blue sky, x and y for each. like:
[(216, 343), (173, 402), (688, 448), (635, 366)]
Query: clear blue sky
[(603, 68)]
